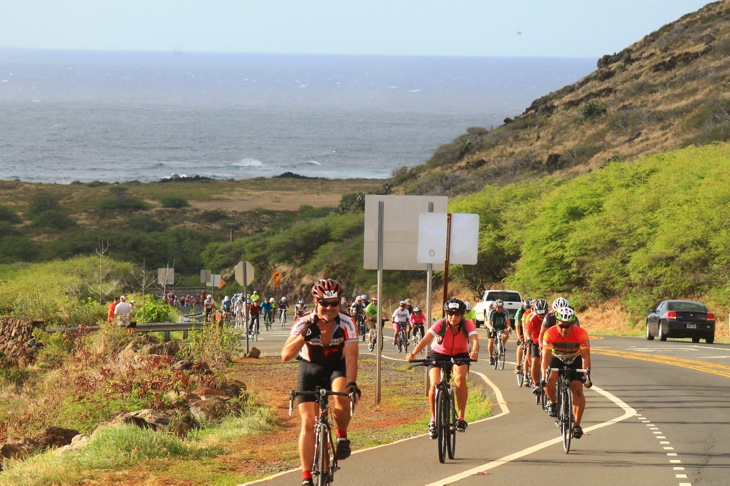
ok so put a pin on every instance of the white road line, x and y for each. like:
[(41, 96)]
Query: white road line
[(628, 412)]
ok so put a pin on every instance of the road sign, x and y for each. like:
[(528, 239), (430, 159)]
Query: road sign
[(166, 276), (244, 268), (276, 276), (204, 276), (463, 250)]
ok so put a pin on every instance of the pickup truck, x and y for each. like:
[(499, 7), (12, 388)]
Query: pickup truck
[(511, 298)]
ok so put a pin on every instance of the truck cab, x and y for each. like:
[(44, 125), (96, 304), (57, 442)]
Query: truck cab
[(511, 298)]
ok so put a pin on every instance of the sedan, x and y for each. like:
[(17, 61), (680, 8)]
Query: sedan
[(681, 319)]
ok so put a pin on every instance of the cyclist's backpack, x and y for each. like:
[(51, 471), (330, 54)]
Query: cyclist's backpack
[(444, 326)]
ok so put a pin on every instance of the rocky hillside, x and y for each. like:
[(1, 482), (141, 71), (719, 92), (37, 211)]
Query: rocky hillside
[(669, 90)]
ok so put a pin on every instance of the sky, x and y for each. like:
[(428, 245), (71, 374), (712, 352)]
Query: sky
[(524, 28)]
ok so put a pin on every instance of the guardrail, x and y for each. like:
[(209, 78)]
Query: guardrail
[(164, 327)]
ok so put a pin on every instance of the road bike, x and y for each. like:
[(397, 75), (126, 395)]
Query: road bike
[(361, 327), (500, 351), (282, 316), (524, 378), (446, 413), (417, 336), (253, 328), (401, 339), (267, 319), (373, 337), (565, 418), (325, 459)]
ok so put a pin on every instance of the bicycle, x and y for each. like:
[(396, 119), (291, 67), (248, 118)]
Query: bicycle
[(361, 327), (524, 378), (325, 460), (268, 319), (565, 418), (253, 328), (282, 316), (500, 352), (417, 336), (373, 337), (401, 339), (446, 413)]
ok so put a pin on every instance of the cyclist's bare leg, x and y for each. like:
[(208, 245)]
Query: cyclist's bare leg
[(342, 404), (579, 400), (434, 376), (490, 346), (535, 370), (550, 390), (308, 413), (518, 355), (396, 328), (462, 392)]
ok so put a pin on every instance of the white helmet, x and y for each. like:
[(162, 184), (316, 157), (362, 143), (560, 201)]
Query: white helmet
[(271, 300)]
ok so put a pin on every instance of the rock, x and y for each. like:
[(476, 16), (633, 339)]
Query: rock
[(254, 352), (211, 409), (55, 437), (205, 391), (148, 418)]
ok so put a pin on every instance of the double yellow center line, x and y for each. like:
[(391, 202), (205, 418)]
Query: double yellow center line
[(693, 364)]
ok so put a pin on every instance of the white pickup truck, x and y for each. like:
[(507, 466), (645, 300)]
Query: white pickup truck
[(511, 298)]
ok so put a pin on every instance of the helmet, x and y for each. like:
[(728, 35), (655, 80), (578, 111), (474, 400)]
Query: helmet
[(271, 300), (226, 299), (122, 298), (402, 302), (468, 306), (541, 306), (326, 289), (559, 303), (359, 297), (528, 304), (283, 299), (300, 301), (565, 314), (498, 303), (255, 292), (455, 306), (416, 309), (343, 299), (374, 297), (408, 301), (364, 297)]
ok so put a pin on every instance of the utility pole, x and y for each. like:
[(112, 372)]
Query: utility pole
[(100, 251)]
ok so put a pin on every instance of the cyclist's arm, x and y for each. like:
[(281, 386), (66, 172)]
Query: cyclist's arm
[(292, 346), (547, 354), (351, 354), (585, 354), (425, 341), (474, 340)]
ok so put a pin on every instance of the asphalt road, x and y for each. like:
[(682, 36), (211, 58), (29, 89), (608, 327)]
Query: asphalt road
[(658, 414)]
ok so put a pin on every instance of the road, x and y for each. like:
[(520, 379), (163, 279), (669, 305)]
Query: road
[(659, 414)]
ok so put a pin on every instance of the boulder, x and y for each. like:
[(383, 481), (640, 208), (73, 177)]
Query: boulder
[(254, 352)]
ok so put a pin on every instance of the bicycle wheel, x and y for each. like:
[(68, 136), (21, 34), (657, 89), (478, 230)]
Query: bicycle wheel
[(321, 465), (502, 355), (442, 423), (566, 418), (371, 340), (405, 342), (399, 342), (520, 378), (452, 425)]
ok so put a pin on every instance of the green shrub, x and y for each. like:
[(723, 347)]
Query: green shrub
[(53, 220), (592, 110), (8, 215), (214, 345), (175, 202)]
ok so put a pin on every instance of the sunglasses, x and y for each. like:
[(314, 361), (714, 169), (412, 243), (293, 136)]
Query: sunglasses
[(455, 313), (329, 303)]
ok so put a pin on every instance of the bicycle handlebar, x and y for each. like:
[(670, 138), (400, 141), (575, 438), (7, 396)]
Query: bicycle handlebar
[(320, 392), (442, 362), (587, 371)]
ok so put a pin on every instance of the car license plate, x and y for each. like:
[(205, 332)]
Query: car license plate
[(691, 326)]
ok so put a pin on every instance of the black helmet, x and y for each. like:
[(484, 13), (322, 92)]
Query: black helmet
[(455, 306)]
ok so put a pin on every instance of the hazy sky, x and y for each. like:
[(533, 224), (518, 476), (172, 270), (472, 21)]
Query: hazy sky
[(544, 28)]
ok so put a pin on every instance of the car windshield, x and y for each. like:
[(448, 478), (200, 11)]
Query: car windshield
[(504, 296), (686, 306)]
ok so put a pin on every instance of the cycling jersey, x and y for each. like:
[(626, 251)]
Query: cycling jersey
[(567, 348), (452, 344), (401, 316), (499, 319), (417, 318), (314, 351), (532, 328)]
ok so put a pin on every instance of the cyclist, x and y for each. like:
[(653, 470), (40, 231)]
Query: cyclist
[(400, 319), (568, 344), (208, 307), (417, 320), (267, 307), (549, 319), (226, 304), (532, 335), (325, 341), (300, 308), (471, 313), (498, 319), (356, 307), (254, 296), (282, 306), (520, 334), (238, 310), (254, 310), (371, 313), (344, 305), (454, 337)]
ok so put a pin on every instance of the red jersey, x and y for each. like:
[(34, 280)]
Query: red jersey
[(452, 344), (566, 348), (532, 327)]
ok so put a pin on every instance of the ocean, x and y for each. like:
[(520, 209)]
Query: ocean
[(119, 116)]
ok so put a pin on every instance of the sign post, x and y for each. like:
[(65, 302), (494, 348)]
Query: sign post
[(244, 276)]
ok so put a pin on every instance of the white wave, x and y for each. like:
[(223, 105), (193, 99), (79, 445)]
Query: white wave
[(248, 162)]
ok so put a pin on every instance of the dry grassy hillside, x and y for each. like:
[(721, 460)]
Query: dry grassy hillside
[(669, 90)]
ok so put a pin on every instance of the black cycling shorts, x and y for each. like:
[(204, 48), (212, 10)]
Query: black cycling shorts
[(313, 375), (534, 350), (438, 356), (576, 364)]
